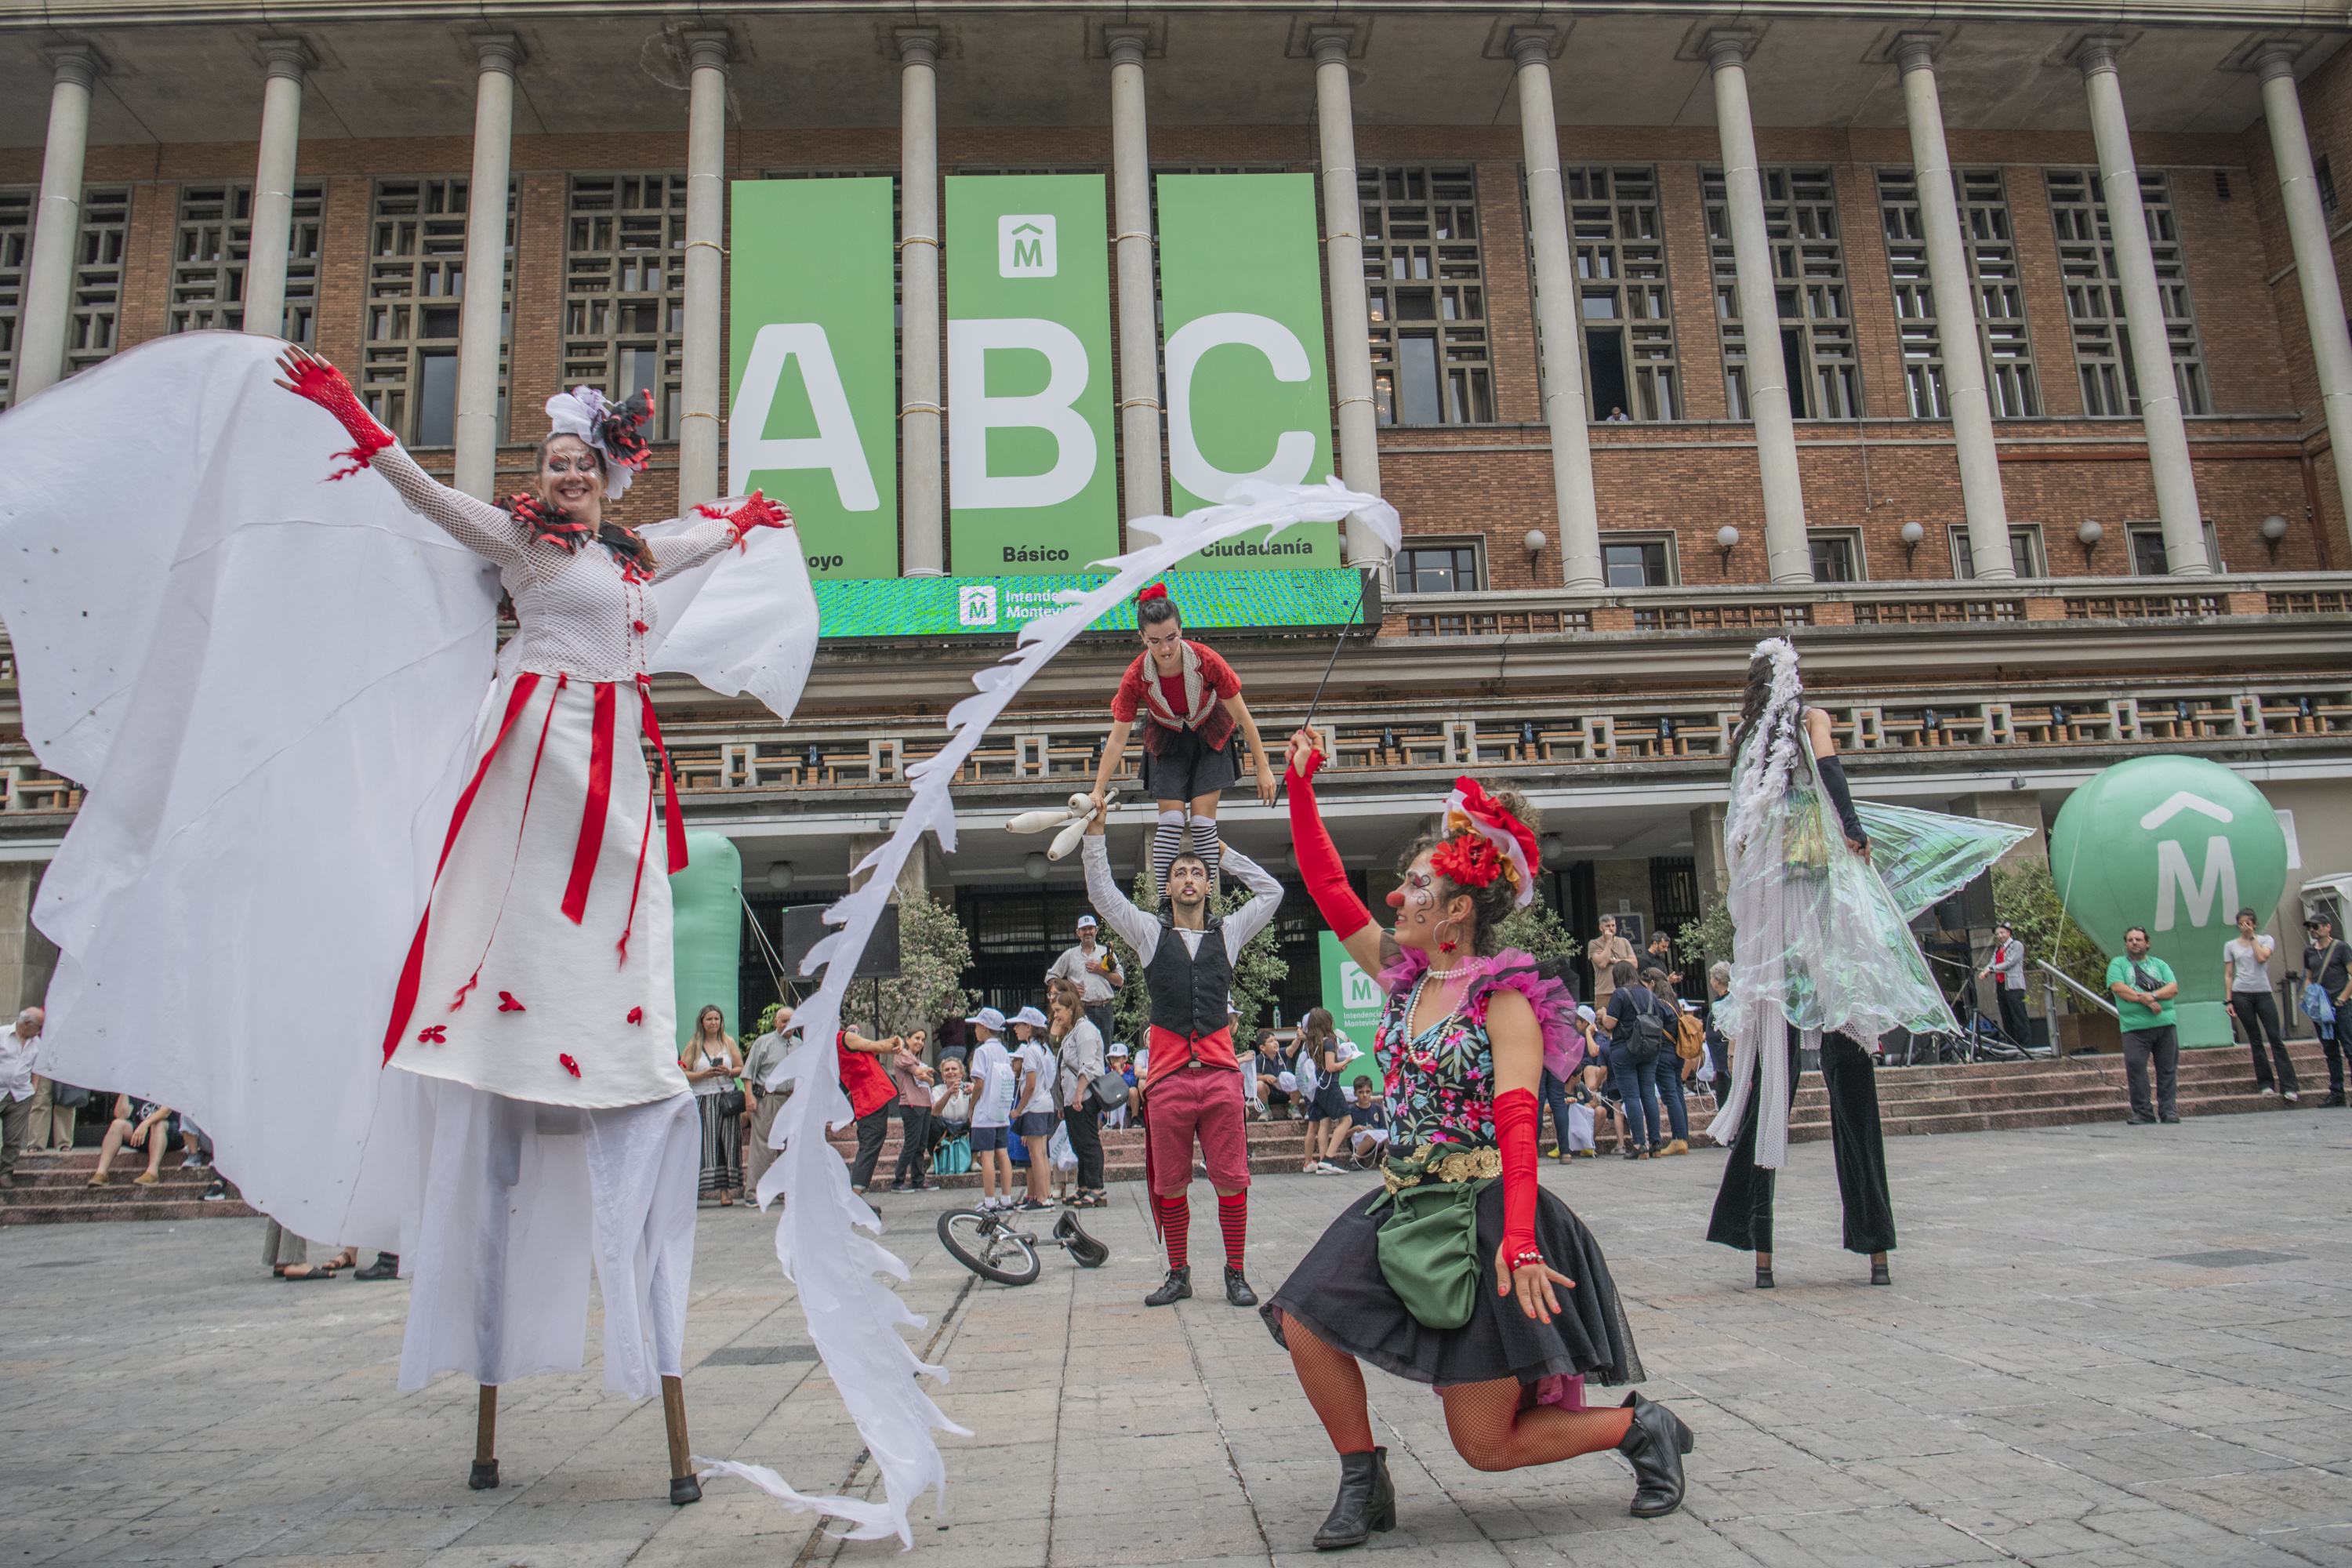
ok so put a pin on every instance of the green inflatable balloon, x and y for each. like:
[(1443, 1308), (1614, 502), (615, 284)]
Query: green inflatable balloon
[(2177, 844), (707, 929)]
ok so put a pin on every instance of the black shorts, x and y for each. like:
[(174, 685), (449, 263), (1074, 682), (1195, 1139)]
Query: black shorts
[(1187, 770)]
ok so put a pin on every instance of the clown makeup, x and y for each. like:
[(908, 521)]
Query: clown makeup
[(571, 477), (1417, 902)]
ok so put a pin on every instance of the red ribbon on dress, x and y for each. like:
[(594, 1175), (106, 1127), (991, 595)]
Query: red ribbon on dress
[(600, 800), (677, 824), (403, 999)]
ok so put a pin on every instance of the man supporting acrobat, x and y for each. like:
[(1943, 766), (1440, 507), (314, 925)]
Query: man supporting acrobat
[(1187, 958)]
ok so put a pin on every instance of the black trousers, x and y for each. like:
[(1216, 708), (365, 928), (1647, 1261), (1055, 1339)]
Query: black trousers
[(1098, 1014), (873, 1129), (1743, 1205), (1086, 1142), (914, 1145), (2161, 1048), (2013, 1021), (2329, 1036), (2258, 1015)]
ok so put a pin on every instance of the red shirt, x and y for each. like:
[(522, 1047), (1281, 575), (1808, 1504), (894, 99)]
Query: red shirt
[(1130, 698), (868, 1085)]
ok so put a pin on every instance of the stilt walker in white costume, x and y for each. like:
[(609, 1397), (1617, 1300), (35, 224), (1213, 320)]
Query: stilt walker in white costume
[(534, 1115)]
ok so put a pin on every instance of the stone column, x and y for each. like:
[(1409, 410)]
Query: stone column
[(2314, 258), (1786, 551), (1956, 314), (481, 318), (1343, 260), (1139, 328), (1708, 860), (1566, 407), (924, 530), (56, 226), (273, 186), (703, 356), (2159, 394)]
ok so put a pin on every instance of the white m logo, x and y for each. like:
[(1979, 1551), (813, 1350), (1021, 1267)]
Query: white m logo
[(2172, 875)]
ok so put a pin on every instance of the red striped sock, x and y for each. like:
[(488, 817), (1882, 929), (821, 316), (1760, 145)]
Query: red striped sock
[(1176, 1226), (1233, 1218)]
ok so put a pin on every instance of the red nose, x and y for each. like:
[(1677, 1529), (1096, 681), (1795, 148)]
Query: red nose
[(1396, 898)]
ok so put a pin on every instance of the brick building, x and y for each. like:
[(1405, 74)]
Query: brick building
[(2008, 564)]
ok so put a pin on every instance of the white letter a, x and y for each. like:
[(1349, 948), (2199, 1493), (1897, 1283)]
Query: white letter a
[(834, 446)]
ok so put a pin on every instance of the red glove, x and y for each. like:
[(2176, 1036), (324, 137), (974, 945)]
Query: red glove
[(1516, 1115), (756, 512), (323, 385), (1319, 858)]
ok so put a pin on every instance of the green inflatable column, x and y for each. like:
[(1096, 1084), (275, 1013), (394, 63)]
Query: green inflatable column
[(2177, 844), (706, 928)]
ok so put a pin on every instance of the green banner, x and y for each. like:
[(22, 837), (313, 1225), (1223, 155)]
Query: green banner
[(1241, 294), (813, 420), (1032, 475), (933, 606), (1354, 1001)]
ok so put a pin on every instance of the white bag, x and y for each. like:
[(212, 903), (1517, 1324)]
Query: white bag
[(1580, 1127), (1058, 1150)]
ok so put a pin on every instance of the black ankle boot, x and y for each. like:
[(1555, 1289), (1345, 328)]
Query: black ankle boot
[(1237, 1289), (1654, 1444), (1366, 1501), (1177, 1286)]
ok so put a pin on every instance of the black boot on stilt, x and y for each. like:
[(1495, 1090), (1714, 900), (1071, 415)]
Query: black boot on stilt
[(1177, 1286), (1654, 1444), (1366, 1502)]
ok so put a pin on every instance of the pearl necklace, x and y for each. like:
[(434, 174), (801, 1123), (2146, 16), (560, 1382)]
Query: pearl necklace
[(1412, 1002)]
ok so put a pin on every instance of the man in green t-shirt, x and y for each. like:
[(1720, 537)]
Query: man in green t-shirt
[(2143, 989)]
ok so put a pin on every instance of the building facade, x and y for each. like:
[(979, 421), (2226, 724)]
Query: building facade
[(2036, 489)]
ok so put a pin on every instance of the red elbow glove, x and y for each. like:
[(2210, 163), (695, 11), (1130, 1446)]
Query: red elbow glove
[(1319, 858), (324, 385), (759, 511), (1516, 1115)]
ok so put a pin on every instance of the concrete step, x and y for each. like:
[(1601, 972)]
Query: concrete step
[(53, 1188)]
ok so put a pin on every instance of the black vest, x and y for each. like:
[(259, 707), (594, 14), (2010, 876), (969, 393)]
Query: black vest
[(1189, 994)]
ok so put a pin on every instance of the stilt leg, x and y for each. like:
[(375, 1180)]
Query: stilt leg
[(683, 1487), (486, 1441)]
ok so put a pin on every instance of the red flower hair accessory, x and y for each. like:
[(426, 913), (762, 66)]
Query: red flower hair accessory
[(1473, 818), (1467, 860), (1151, 590)]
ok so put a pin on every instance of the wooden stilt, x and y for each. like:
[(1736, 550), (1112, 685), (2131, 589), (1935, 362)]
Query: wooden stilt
[(486, 1440), (683, 1487)]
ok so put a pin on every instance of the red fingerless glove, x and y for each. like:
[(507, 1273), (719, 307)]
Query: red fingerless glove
[(324, 385), (1319, 858), (1516, 1115), (756, 512)]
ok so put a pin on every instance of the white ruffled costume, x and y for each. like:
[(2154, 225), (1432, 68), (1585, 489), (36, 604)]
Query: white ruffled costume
[(273, 689)]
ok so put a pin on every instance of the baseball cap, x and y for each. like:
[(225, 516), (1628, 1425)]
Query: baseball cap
[(1031, 1016), (1584, 1011), (1116, 1049), (1085, 921), (988, 1017)]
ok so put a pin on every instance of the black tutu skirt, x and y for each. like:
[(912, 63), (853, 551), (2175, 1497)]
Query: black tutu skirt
[(1339, 1294), (1187, 770)]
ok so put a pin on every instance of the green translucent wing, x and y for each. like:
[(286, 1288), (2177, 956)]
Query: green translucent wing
[(1924, 855)]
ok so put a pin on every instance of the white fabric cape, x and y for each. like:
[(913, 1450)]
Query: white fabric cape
[(853, 1316), (268, 685)]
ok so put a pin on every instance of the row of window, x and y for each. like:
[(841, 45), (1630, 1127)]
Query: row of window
[(1648, 560), (1425, 275)]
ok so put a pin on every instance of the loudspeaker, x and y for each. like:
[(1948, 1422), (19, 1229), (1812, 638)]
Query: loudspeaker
[(804, 926)]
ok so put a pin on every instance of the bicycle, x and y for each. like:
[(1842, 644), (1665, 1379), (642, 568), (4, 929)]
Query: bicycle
[(990, 1245)]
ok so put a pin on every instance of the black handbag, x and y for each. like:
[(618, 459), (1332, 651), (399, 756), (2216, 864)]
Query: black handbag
[(730, 1102)]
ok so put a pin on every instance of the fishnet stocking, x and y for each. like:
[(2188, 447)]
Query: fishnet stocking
[(1492, 1433), (1334, 1385)]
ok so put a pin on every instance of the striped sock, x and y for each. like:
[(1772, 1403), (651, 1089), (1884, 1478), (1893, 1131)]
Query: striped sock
[(1233, 1218), (1165, 842), (1207, 845), (1176, 1226)]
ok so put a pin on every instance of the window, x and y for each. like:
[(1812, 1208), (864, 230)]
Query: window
[(2325, 179), (625, 290), (90, 329), (1427, 283), (208, 260), (1991, 253), (416, 288), (2025, 555), (1837, 556), (2150, 559), (1437, 569), (2095, 293), (1621, 295), (1631, 562), (16, 252), (1809, 280)]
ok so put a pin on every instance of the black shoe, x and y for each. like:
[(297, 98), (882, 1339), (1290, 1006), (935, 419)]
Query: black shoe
[(2171, 1121), (1177, 1286), (1763, 1280), (1654, 1444), (1237, 1289), (216, 1193), (1367, 1501), (1879, 1276), (2139, 1121), (385, 1266), (2335, 1097)]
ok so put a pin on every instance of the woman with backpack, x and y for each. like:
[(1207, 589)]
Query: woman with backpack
[(1640, 1045)]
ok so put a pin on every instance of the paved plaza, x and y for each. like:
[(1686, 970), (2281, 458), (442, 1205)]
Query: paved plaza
[(2105, 1345)]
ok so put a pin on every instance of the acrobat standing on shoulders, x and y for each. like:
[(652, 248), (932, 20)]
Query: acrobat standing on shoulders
[(1192, 704)]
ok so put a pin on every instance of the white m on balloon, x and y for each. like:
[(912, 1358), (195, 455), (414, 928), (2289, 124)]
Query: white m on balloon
[(1294, 450)]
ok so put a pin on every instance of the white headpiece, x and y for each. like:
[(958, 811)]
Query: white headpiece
[(1765, 758), (610, 427)]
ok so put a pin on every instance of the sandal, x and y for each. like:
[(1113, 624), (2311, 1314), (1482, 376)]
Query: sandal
[(310, 1271)]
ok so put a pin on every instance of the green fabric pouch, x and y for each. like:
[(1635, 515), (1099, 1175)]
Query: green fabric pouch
[(1429, 1250)]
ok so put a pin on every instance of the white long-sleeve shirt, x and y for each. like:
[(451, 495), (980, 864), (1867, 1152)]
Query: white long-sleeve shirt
[(1142, 931)]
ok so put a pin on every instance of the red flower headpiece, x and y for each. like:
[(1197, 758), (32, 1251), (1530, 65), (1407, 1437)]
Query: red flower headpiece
[(1484, 842), (1151, 590)]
